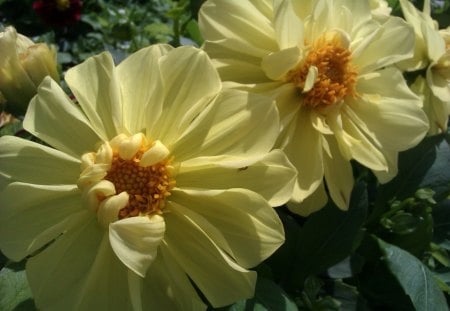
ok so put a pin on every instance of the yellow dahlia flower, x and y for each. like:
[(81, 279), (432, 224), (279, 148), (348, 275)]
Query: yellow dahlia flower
[(327, 64), (432, 52), (380, 8), (23, 66), (155, 178)]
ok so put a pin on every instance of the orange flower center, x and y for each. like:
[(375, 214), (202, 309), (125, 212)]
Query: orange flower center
[(147, 187), (335, 78)]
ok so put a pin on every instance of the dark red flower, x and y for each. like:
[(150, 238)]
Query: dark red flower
[(58, 12)]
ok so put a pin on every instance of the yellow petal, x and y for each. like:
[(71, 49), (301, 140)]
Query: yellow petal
[(56, 275), (57, 203), (338, 176), (288, 26), (190, 81), (167, 286), (239, 221), (237, 123), (52, 117), (96, 88), (155, 154), (271, 175), (142, 89), (19, 157), (311, 204), (135, 241), (205, 263)]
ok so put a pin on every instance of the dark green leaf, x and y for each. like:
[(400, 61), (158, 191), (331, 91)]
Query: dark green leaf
[(425, 166), (441, 217), (15, 293), (328, 237), (11, 128), (414, 277), (281, 261), (379, 288), (268, 296)]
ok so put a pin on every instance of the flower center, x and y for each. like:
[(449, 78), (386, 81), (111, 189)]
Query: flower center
[(62, 5), (128, 176), (147, 187), (326, 76)]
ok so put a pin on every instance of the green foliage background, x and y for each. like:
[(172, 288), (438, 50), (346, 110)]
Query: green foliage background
[(390, 251)]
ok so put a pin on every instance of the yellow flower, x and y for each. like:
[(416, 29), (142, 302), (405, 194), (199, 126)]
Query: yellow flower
[(328, 65), (380, 8), (436, 110), (23, 65), (432, 51), (158, 177)]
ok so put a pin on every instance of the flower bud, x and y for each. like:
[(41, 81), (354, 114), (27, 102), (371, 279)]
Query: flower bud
[(23, 65)]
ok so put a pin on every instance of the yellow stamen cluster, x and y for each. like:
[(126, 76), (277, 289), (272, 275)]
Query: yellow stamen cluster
[(147, 187), (336, 75)]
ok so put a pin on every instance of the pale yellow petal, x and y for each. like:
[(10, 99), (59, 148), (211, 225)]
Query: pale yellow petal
[(311, 204), (239, 221), (19, 157), (277, 64), (438, 77), (135, 241), (189, 81), (392, 162), (236, 123), (270, 175), (158, 152), (106, 285), (338, 176), (288, 26), (57, 273), (97, 89), (392, 114), (242, 21), (304, 150), (167, 286), (55, 119), (205, 263), (109, 208), (435, 44), (394, 42), (28, 222), (141, 87), (356, 142)]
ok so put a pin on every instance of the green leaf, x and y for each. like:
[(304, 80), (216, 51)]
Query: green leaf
[(281, 261), (15, 293), (328, 237), (194, 32), (424, 166), (441, 217), (268, 296), (379, 288), (415, 278)]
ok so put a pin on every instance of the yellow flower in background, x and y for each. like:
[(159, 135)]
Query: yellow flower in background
[(380, 8), (23, 66), (436, 110), (432, 52), (328, 66), (159, 178)]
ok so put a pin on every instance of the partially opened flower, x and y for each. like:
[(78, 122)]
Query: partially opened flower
[(432, 52), (23, 66), (58, 12), (157, 179), (327, 64)]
